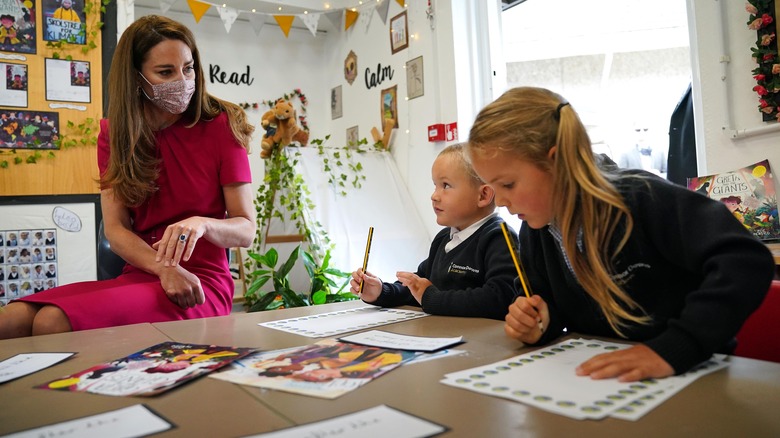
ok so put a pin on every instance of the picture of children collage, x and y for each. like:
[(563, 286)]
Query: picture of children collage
[(28, 262)]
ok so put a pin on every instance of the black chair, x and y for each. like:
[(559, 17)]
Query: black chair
[(109, 264)]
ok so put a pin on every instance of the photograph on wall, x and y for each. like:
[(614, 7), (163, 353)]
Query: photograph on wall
[(353, 137), (28, 262), (13, 91), (335, 103), (63, 20), (414, 78), (68, 81), (389, 105), (399, 33), (17, 26), (28, 129)]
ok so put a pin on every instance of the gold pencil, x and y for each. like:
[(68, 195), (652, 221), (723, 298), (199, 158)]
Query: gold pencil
[(365, 257)]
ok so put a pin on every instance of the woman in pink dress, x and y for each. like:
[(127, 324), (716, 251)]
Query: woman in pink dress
[(175, 192)]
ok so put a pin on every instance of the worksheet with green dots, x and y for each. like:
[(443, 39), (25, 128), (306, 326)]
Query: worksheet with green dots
[(546, 378)]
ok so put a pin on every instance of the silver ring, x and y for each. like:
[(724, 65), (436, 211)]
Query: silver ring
[(183, 238)]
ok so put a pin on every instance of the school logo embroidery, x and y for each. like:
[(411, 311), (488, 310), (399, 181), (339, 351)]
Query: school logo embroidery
[(626, 276), (459, 269)]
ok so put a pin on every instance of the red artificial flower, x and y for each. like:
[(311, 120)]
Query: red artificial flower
[(768, 57), (760, 90), (767, 19), (763, 103), (759, 77)]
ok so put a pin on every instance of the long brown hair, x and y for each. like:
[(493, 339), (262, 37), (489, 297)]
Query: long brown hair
[(133, 166), (529, 122)]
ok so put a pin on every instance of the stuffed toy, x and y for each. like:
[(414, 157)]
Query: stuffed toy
[(281, 128)]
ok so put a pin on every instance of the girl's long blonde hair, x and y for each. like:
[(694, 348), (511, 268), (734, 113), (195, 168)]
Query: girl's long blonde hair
[(133, 165), (528, 122)]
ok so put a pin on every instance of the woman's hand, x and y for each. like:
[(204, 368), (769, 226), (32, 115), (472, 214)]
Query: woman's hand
[(372, 285), (179, 240), (416, 284), (634, 363), (181, 286), (526, 319)]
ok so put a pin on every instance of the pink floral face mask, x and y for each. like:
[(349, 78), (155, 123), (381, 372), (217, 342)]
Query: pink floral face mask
[(173, 97)]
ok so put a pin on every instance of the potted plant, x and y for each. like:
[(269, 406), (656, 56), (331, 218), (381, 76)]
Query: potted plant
[(323, 287)]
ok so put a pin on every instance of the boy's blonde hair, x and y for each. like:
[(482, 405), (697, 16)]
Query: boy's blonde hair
[(458, 151), (528, 122)]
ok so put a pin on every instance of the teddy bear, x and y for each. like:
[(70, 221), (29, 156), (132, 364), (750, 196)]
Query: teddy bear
[(281, 128)]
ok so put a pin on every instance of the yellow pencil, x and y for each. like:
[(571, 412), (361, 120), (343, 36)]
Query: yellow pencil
[(365, 257), (520, 272), (514, 259)]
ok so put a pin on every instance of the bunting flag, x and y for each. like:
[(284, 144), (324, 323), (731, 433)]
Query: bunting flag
[(228, 16), (351, 16), (257, 22), (382, 7), (311, 21), (285, 22), (401, 2), (198, 9), (334, 18), (165, 5), (365, 17)]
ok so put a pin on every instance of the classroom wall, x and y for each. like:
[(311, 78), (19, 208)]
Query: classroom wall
[(724, 103), (276, 66)]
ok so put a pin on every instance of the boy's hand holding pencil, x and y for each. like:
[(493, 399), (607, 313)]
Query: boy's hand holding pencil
[(372, 285)]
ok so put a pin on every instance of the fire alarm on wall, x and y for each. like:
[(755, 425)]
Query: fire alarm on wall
[(436, 132)]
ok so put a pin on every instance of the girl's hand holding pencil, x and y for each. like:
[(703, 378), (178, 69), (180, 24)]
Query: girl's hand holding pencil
[(526, 318)]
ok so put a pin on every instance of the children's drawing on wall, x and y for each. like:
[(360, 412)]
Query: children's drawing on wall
[(68, 81), (63, 20), (28, 129), (13, 92), (414, 78), (389, 105), (353, 137), (28, 262), (17, 26)]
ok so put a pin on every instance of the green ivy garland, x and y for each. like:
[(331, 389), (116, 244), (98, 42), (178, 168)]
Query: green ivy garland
[(767, 72)]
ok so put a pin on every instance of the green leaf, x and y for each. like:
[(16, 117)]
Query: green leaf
[(319, 297), (263, 303), (288, 265)]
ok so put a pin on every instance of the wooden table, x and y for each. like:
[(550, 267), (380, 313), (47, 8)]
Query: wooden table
[(741, 400), (205, 407)]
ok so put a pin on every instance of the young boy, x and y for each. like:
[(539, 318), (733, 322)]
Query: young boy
[(469, 270)]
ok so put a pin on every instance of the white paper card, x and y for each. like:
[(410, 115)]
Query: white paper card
[(546, 379), (377, 422), (342, 321), (379, 338), (132, 421), (28, 363)]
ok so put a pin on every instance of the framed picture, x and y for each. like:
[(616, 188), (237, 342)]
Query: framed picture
[(389, 105), (353, 137), (414, 78), (47, 241), (335, 103), (350, 67), (399, 33)]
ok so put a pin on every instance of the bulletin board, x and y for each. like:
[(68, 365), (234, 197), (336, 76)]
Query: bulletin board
[(64, 81)]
